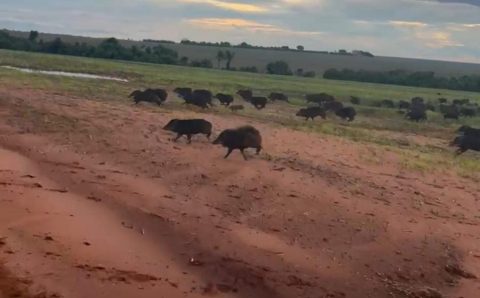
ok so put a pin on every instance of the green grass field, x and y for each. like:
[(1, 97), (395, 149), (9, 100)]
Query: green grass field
[(385, 127), (218, 80)]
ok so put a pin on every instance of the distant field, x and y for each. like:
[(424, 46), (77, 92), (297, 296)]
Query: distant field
[(318, 62), (142, 74)]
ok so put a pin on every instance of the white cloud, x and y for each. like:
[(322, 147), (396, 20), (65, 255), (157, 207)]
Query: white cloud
[(223, 24), (235, 6), (437, 39), (471, 26), (408, 24)]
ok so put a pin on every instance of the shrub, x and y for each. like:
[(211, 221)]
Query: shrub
[(310, 74), (279, 68)]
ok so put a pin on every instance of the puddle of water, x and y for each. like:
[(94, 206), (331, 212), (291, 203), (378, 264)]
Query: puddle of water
[(67, 74)]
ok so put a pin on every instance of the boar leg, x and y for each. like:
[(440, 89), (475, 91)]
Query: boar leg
[(229, 152), (243, 154)]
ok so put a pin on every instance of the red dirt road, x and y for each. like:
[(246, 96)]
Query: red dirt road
[(97, 201)]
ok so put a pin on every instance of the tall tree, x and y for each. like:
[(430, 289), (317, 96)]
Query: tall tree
[(33, 35), (57, 46), (229, 57), (220, 57)]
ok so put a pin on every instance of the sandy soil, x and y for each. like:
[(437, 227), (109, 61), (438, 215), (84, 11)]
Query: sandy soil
[(97, 201)]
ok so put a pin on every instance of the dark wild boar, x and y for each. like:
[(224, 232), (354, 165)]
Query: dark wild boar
[(468, 111), (418, 106), (347, 113), (417, 115), (199, 98), (245, 94), (189, 127), (197, 101), (203, 95), (241, 138), (319, 98), (467, 130), (183, 91), (466, 142), (148, 95), (451, 115), (417, 100), (161, 93), (258, 102), (224, 99), (449, 111), (311, 113)]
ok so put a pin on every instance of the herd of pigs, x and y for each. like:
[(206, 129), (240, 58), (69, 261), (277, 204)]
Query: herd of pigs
[(241, 138), (204, 99)]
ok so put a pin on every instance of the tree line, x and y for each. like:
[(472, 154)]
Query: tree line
[(245, 45), (109, 49), (426, 79)]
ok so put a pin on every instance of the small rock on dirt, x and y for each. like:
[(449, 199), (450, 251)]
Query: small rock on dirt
[(195, 262)]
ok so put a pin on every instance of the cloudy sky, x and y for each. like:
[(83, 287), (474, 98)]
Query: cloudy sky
[(435, 29)]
